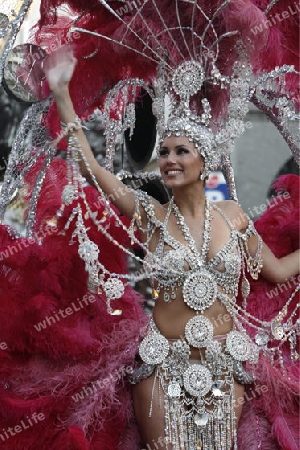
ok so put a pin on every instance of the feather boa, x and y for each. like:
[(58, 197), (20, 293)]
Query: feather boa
[(67, 367), (271, 413)]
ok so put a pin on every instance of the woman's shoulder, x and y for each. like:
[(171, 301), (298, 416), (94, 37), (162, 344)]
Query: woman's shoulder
[(155, 211), (235, 214)]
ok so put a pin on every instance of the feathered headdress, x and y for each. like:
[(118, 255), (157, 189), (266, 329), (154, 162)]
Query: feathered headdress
[(200, 62)]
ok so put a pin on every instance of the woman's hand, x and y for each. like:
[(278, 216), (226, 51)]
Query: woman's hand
[(59, 68)]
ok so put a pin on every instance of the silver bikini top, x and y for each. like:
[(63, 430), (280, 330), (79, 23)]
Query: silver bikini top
[(173, 266)]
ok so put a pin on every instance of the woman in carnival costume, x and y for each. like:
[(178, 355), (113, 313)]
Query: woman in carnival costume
[(190, 372), (203, 345)]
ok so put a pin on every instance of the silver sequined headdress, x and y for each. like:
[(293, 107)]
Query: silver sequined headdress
[(202, 137), (175, 115)]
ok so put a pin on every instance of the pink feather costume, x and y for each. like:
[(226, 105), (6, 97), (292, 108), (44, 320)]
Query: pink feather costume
[(71, 369), (270, 415)]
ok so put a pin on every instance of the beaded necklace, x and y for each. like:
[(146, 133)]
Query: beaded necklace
[(200, 257), (200, 287)]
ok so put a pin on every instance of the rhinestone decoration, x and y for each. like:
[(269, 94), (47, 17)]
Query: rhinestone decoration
[(240, 374), (213, 350), (238, 345), (88, 251), (200, 290), (113, 288), (180, 350), (277, 329), (262, 338), (177, 360), (197, 380), (201, 419), (154, 348), (188, 79), (254, 353), (199, 331), (173, 260), (174, 389), (68, 194)]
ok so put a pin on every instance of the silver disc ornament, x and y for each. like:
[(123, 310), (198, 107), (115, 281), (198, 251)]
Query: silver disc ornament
[(199, 331), (154, 348), (197, 380), (238, 345), (188, 79), (200, 290)]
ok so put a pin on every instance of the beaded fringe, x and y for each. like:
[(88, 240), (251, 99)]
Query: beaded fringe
[(183, 433)]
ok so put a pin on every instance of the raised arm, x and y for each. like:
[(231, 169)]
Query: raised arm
[(59, 69)]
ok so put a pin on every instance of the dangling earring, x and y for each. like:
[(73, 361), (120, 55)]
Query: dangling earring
[(203, 175)]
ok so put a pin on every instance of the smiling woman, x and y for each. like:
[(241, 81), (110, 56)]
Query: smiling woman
[(188, 362), (179, 156)]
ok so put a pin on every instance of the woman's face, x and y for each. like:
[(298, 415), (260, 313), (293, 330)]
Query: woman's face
[(179, 162)]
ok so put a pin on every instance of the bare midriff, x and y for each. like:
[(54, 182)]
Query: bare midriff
[(171, 318)]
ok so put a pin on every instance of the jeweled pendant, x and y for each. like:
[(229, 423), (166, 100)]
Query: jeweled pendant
[(217, 392), (217, 388), (174, 389), (199, 331), (261, 338), (220, 414), (154, 348), (201, 420), (245, 287), (199, 445), (277, 329), (200, 290), (166, 297)]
